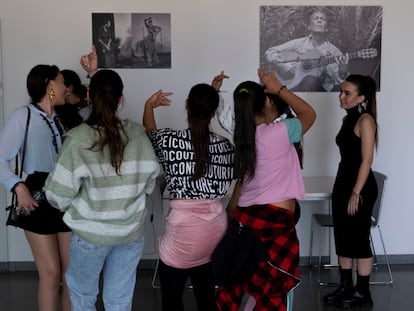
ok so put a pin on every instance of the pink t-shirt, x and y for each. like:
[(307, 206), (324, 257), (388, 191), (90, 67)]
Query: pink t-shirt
[(278, 174)]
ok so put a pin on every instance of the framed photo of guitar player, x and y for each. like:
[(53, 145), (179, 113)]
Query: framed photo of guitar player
[(314, 48)]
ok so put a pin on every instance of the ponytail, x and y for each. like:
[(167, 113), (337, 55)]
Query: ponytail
[(105, 93), (249, 98), (202, 102)]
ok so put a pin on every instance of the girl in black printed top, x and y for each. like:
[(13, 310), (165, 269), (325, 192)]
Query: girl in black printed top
[(198, 166)]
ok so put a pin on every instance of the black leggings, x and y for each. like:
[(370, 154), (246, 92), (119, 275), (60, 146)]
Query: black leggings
[(173, 282)]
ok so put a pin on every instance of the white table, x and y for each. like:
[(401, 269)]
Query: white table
[(318, 188)]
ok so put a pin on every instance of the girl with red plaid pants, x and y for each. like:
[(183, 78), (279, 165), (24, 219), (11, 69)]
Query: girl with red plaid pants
[(270, 182)]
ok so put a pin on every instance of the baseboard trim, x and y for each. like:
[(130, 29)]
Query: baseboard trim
[(150, 263), (380, 259), (30, 265), (17, 266)]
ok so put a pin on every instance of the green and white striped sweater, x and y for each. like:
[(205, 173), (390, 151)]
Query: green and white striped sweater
[(100, 206)]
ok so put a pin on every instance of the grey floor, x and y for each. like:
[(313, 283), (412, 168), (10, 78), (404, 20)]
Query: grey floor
[(18, 291)]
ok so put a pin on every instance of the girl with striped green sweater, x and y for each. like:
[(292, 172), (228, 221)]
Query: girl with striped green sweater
[(105, 170)]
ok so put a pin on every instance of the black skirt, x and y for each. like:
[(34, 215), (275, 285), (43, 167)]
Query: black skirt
[(45, 219), (352, 233)]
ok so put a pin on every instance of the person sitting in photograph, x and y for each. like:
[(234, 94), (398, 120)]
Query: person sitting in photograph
[(310, 63)]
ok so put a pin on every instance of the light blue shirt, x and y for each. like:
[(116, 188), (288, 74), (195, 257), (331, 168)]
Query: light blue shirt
[(40, 150)]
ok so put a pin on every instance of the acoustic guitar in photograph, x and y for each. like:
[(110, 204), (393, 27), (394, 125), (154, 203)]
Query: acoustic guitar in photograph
[(293, 67)]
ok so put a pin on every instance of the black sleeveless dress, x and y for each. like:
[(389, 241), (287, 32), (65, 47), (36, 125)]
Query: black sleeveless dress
[(352, 232)]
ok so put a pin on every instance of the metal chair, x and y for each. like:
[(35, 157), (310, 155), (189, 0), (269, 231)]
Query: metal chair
[(324, 221), (376, 213), (161, 184), (154, 276)]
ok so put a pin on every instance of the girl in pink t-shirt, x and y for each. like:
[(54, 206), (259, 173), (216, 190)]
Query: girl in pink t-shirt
[(269, 184)]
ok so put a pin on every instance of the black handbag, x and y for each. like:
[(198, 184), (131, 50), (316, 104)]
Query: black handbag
[(237, 255), (13, 217)]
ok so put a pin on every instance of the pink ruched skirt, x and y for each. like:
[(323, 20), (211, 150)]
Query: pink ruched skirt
[(193, 229)]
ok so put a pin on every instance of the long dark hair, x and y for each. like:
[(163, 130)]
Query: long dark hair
[(68, 113), (366, 86), (38, 79), (105, 91), (72, 78), (249, 98), (202, 102)]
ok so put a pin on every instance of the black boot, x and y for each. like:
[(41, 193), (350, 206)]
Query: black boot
[(345, 288), (360, 298)]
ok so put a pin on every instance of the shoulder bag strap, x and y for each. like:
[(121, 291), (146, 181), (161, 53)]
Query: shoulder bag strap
[(16, 170), (25, 141)]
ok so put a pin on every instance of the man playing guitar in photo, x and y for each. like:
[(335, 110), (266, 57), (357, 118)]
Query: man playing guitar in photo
[(310, 63)]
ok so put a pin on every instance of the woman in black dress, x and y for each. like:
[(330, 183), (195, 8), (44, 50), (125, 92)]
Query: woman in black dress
[(355, 191)]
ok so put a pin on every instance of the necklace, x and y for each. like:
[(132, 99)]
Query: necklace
[(60, 130), (58, 126)]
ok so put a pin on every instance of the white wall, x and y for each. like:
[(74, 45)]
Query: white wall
[(210, 36)]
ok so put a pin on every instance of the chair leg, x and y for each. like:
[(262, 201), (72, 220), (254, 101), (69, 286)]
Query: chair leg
[(391, 280), (311, 243), (320, 256), (375, 263), (320, 265), (289, 306), (154, 276)]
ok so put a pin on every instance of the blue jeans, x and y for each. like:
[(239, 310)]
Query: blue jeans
[(118, 264)]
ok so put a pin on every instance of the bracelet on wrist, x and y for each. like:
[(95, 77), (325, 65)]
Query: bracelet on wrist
[(281, 89)]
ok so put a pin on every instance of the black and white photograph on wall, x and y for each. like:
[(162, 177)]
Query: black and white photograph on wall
[(314, 48), (132, 40)]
